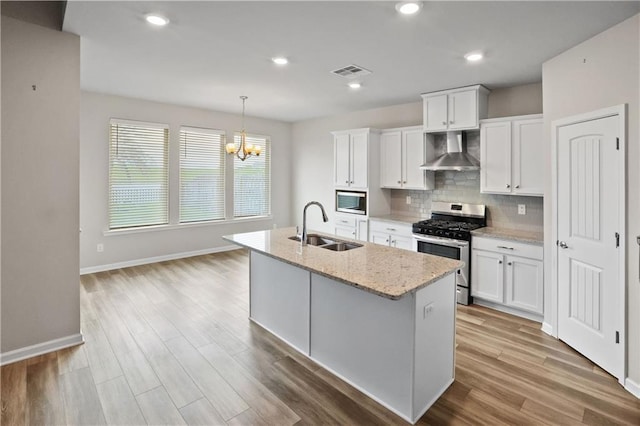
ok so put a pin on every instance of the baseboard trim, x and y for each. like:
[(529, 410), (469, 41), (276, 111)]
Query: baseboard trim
[(155, 259), (508, 310), (547, 328), (632, 387), (41, 348)]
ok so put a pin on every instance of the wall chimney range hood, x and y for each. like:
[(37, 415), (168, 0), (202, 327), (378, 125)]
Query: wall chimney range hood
[(455, 158)]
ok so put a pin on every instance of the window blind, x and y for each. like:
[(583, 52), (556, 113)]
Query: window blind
[(138, 174), (201, 174), (252, 180)]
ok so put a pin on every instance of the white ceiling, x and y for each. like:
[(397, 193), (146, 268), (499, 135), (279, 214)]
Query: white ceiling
[(213, 52)]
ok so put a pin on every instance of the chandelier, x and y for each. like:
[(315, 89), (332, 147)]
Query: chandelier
[(245, 150)]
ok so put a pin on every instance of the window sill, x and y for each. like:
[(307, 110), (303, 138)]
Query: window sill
[(177, 226)]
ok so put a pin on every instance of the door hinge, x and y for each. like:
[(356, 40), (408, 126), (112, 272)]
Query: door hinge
[(617, 240), (617, 337), (618, 144)]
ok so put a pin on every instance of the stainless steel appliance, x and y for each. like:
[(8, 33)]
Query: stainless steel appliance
[(448, 234), (351, 202)]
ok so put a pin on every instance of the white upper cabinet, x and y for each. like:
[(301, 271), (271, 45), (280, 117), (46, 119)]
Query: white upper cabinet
[(351, 157), (402, 152), (511, 156), (455, 109)]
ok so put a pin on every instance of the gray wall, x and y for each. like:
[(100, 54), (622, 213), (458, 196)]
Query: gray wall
[(313, 161), (40, 298), (171, 241), (602, 72)]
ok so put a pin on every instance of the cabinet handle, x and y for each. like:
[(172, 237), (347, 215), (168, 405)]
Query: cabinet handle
[(509, 263), (505, 247), (499, 262), (399, 181), (386, 241), (444, 123), (508, 186), (351, 181), (344, 221), (404, 181), (451, 122), (517, 186), (391, 229), (353, 233), (393, 242), (346, 181)]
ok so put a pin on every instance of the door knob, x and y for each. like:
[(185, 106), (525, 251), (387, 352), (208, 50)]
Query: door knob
[(563, 245), (517, 186), (508, 186), (499, 262)]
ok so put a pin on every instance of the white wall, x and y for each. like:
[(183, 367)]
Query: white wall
[(40, 300), (96, 111), (518, 100), (601, 72)]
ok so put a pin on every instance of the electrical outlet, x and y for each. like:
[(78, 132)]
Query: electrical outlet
[(408, 199), (522, 209), (100, 247), (428, 309)]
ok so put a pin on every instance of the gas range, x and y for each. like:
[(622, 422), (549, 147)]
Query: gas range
[(448, 234)]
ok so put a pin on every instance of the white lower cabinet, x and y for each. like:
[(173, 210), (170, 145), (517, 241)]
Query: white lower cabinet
[(350, 226), (392, 234), (508, 276)]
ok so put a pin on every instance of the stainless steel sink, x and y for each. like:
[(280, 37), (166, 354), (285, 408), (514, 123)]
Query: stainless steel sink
[(315, 240), (341, 246), (327, 243)]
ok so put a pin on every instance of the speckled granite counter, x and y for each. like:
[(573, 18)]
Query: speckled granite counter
[(510, 234), (397, 218), (385, 271)]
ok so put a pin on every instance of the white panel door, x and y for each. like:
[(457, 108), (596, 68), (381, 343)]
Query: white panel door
[(528, 157), (342, 161), (487, 275), (391, 159), (589, 287), (412, 159), (435, 113), (524, 283), (359, 160), (463, 110), (495, 157)]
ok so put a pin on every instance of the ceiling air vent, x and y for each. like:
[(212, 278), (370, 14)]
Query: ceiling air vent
[(351, 71)]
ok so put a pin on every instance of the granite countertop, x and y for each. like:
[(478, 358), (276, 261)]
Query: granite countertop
[(510, 234), (385, 271), (398, 218)]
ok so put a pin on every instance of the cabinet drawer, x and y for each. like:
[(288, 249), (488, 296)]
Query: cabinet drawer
[(390, 227), (346, 221), (508, 247)]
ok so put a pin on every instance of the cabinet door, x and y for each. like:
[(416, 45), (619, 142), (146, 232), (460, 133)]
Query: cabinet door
[(495, 157), (412, 159), (341, 160), (359, 160), (487, 275), (363, 230), (435, 113), (463, 110), (344, 231), (528, 157), (391, 159), (380, 238), (401, 242), (524, 282)]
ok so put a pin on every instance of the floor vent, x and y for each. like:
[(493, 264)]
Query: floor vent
[(351, 71)]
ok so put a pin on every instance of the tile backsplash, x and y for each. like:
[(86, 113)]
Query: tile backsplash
[(464, 187)]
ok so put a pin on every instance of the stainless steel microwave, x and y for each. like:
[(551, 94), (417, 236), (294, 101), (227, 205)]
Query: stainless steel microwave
[(351, 202)]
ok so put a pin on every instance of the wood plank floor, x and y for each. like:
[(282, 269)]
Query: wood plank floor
[(170, 343)]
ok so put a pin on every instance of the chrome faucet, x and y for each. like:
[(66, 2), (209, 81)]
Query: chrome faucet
[(303, 237)]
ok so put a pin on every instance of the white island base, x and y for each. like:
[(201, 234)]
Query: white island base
[(398, 352)]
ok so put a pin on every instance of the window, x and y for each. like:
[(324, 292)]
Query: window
[(201, 174), (138, 174), (252, 180)]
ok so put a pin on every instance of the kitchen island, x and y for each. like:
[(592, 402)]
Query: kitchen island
[(380, 318)]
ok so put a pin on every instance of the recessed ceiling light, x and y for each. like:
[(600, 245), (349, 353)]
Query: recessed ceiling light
[(158, 20), (473, 56), (280, 60), (355, 85), (408, 7)]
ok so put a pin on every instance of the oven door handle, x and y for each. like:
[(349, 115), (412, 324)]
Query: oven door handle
[(441, 241)]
